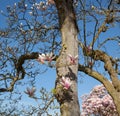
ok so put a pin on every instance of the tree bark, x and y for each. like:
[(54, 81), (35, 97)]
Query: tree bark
[(68, 99)]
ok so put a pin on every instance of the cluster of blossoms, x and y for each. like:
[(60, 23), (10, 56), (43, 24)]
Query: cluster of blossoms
[(45, 57), (66, 83), (98, 102), (42, 5)]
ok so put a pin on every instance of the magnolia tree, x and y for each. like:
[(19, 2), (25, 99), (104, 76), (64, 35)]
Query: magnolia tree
[(68, 35), (98, 102)]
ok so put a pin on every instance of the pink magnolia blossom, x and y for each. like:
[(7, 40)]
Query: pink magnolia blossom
[(45, 57), (98, 102), (41, 58), (30, 92), (72, 59), (49, 57), (66, 83)]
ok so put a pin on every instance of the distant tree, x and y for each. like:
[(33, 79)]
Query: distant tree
[(70, 35), (98, 103)]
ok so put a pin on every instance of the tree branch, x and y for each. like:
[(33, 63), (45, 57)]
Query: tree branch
[(107, 40), (20, 70), (108, 64), (102, 28), (97, 76)]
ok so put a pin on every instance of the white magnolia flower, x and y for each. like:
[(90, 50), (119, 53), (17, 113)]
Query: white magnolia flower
[(41, 58), (49, 57)]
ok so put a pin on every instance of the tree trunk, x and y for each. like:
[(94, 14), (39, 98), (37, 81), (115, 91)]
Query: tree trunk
[(68, 98)]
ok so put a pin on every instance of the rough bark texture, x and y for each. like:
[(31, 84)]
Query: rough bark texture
[(68, 99)]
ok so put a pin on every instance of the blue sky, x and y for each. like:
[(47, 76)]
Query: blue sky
[(47, 79)]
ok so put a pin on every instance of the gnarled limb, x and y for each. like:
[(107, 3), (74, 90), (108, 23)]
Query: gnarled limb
[(20, 70), (108, 64)]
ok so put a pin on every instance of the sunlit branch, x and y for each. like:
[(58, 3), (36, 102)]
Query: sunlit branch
[(93, 73), (95, 29), (80, 44), (108, 65), (109, 19), (101, 29), (107, 40), (110, 86), (4, 33)]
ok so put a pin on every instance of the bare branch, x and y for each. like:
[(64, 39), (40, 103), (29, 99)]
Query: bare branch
[(107, 40), (102, 28), (20, 70), (108, 64), (96, 75)]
